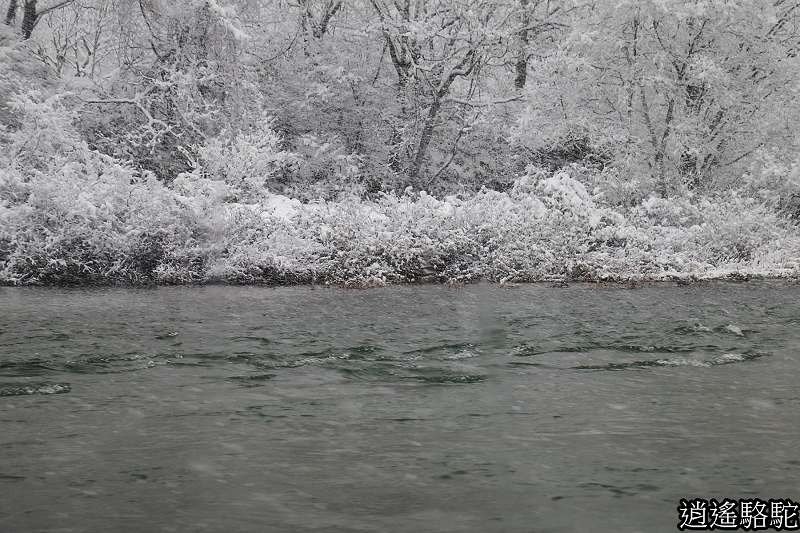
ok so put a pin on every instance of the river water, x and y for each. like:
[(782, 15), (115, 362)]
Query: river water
[(402, 409)]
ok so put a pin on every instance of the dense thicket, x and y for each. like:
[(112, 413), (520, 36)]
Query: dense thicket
[(155, 140)]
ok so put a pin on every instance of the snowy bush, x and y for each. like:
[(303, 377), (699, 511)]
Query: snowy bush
[(324, 169), (249, 163), (669, 212), (92, 220), (775, 182), (97, 220), (44, 137)]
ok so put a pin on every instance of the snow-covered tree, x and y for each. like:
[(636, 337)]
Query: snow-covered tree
[(696, 87)]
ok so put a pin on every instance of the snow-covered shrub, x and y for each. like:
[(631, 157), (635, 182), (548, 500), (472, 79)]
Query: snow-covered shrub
[(91, 220), (558, 191), (95, 219), (395, 239), (562, 144), (256, 162), (735, 229), (44, 136), (669, 211), (20, 72), (250, 163), (324, 169), (774, 181), (566, 193), (614, 187)]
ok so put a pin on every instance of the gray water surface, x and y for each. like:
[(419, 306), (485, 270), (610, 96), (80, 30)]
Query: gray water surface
[(404, 409)]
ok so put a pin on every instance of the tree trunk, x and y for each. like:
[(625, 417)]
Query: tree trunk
[(688, 167), (663, 183), (425, 140), (521, 66), (398, 160), (29, 18), (11, 14), (330, 11)]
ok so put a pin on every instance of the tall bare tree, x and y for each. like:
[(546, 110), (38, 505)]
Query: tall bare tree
[(433, 46)]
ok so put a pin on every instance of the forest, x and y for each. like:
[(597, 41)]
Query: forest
[(366, 142)]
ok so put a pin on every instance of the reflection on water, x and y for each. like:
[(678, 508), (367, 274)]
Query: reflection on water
[(401, 409)]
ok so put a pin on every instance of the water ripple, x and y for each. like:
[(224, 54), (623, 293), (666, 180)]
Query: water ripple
[(27, 389), (724, 359)]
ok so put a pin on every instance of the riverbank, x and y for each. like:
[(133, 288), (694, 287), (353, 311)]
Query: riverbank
[(80, 227)]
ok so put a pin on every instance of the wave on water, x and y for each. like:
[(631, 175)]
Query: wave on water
[(724, 359), (450, 378), (112, 364), (463, 354), (531, 351), (321, 359), (28, 389), (253, 380), (33, 367), (397, 370), (697, 327), (732, 328), (683, 348), (453, 350)]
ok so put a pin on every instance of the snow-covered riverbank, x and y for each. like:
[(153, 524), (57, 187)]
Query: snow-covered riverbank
[(102, 224)]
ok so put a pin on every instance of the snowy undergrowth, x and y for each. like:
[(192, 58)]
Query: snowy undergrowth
[(98, 221)]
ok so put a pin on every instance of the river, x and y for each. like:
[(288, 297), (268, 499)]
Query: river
[(402, 409)]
